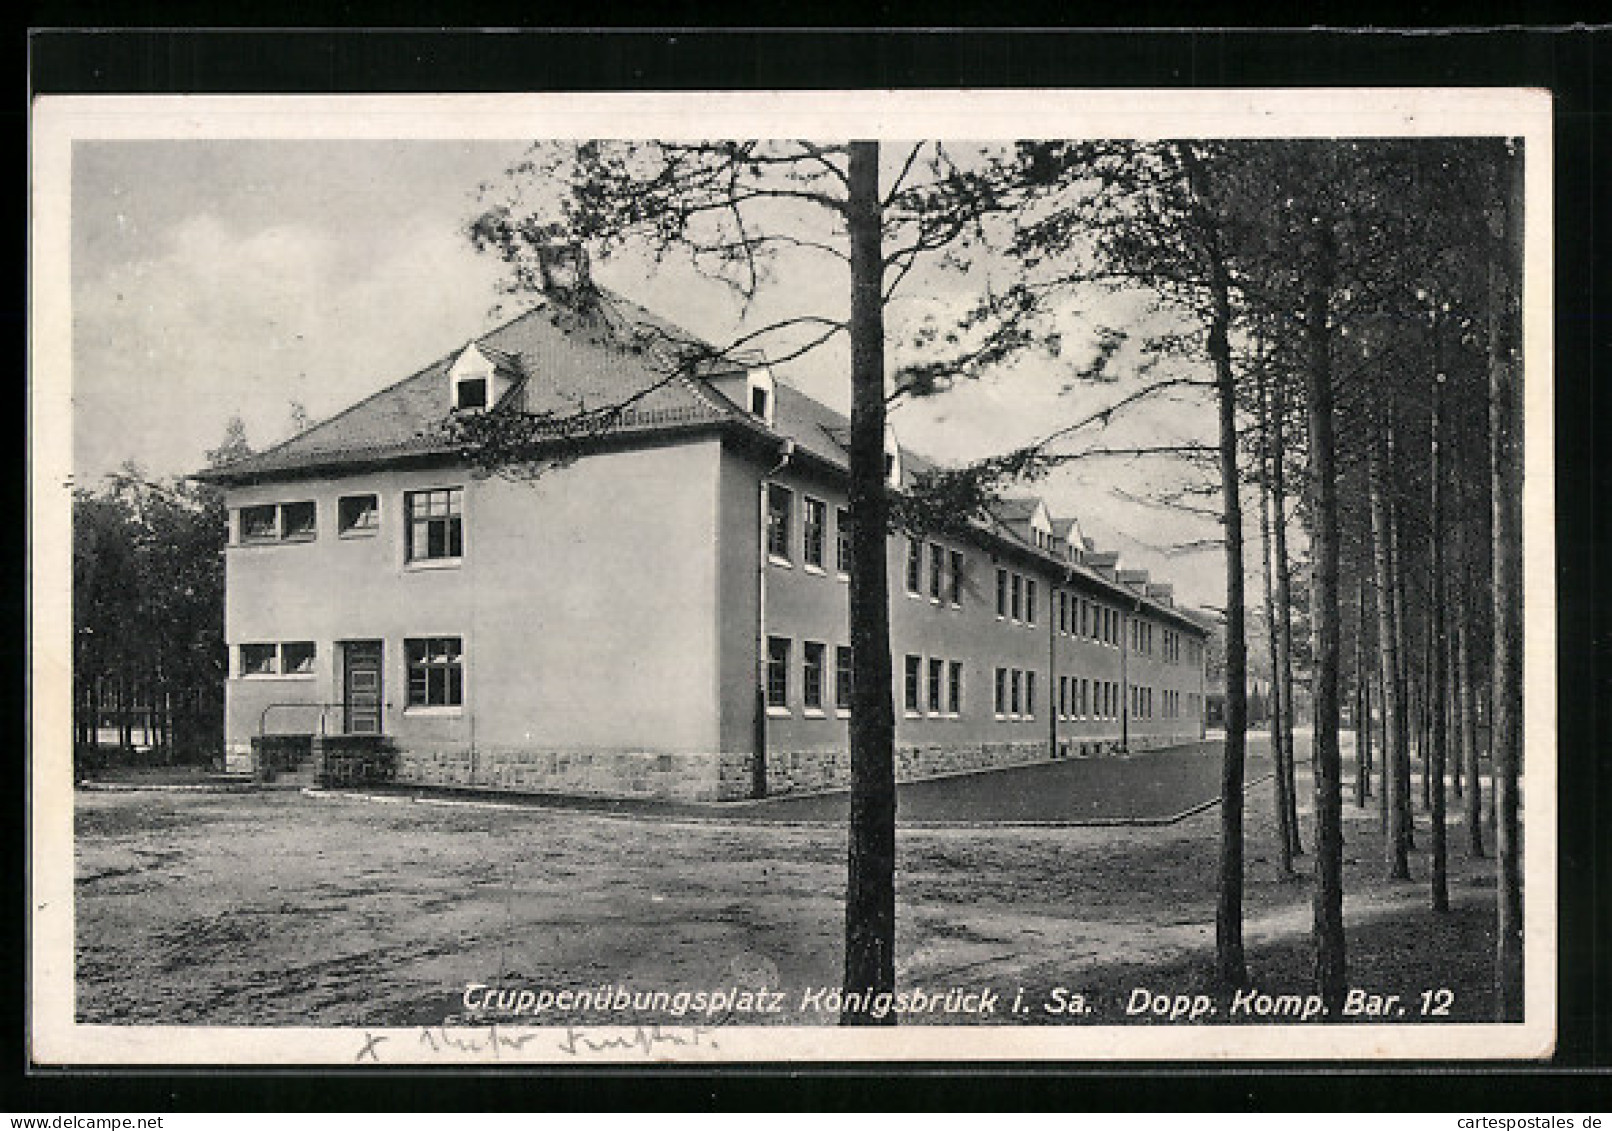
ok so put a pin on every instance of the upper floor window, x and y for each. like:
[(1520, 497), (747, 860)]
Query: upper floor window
[(298, 521), (915, 565), (842, 540), (814, 520), (937, 572), (957, 578), (780, 503), (358, 514), (260, 524), (1029, 600), (1001, 592), (436, 523), (280, 522)]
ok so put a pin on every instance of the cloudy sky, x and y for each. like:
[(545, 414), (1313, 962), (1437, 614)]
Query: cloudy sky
[(216, 278)]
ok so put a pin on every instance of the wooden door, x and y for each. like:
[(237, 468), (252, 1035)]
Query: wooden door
[(361, 687)]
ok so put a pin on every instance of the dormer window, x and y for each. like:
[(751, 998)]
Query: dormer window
[(480, 377), (472, 393), (892, 458), (759, 401)]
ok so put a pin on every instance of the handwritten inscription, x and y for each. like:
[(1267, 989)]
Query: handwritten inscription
[(493, 1041)]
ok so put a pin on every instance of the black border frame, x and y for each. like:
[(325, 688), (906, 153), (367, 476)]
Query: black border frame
[(1563, 59)]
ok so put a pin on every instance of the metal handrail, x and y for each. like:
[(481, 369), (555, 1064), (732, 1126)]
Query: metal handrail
[(263, 719)]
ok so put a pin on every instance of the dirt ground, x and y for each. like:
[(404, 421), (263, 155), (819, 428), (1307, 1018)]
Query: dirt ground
[(279, 908)]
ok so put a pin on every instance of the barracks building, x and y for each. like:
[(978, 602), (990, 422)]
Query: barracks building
[(665, 616)]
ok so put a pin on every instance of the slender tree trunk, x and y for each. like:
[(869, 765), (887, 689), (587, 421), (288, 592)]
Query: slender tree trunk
[(1330, 961), (1384, 760), (1452, 691), (1362, 730), (870, 903), (1230, 966), (1505, 439), (1436, 679), (1469, 728), (1394, 761), (1402, 724), (1424, 703), (1277, 705), (1284, 605)]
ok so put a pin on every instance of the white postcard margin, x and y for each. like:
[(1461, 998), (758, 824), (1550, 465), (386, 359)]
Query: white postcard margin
[(57, 122)]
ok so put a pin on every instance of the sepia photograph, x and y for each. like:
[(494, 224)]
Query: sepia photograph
[(792, 577)]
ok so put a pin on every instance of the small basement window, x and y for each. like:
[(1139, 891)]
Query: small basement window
[(358, 514)]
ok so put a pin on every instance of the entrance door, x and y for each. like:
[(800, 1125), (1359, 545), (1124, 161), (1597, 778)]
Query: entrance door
[(361, 687)]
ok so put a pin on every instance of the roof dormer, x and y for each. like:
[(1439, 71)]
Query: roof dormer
[(1071, 543), (1040, 524), (892, 457), (751, 387), (479, 377)]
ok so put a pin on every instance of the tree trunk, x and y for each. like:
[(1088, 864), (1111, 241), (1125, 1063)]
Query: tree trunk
[(1424, 704), (1452, 691), (1362, 729), (1438, 736), (1505, 442), (1277, 706), (1384, 760), (1394, 760), (1230, 965), (1330, 966), (870, 903), (1466, 708), (1401, 673), (1284, 606)]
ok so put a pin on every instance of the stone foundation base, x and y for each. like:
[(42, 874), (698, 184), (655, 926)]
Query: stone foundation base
[(818, 770), (721, 777), (679, 777)]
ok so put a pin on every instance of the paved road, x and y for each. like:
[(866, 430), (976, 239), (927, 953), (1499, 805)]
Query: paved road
[(1143, 787)]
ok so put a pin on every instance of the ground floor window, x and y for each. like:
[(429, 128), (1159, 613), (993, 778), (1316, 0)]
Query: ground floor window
[(954, 690), (259, 659), (842, 677), (914, 675), (436, 671), (297, 658), (937, 678), (811, 681), (778, 671)]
